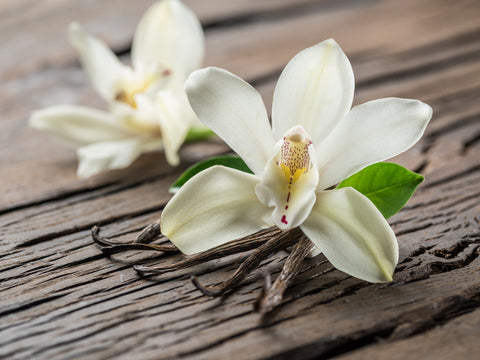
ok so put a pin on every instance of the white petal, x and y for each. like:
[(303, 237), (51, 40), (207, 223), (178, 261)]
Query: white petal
[(100, 63), (215, 206), (99, 157), (292, 204), (371, 132), (175, 118), (78, 125), (234, 110), (315, 90), (142, 119), (353, 235), (169, 34)]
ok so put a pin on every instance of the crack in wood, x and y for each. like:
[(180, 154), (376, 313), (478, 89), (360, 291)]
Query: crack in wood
[(471, 142), (437, 267), (60, 195), (420, 70), (88, 226), (469, 171), (12, 309), (285, 12)]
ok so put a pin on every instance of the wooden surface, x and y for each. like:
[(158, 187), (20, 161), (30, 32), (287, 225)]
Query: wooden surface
[(60, 298)]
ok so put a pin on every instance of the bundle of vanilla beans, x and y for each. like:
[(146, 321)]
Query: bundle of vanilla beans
[(264, 244)]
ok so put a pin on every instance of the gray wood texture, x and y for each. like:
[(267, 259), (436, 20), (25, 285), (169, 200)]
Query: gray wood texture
[(60, 298)]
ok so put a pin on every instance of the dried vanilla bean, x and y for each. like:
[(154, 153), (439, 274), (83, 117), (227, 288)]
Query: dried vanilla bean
[(244, 244), (272, 295), (110, 250), (284, 240), (150, 233), (264, 244)]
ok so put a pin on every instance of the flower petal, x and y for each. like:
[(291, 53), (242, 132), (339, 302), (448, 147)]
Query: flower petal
[(175, 118), (215, 206), (315, 90), (100, 63), (371, 132), (99, 157), (353, 235), (141, 120), (78, 125), (234, 110), (292, 202), (169, 34)]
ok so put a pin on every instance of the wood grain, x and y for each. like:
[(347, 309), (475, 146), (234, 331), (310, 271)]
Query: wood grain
[(62, 299)]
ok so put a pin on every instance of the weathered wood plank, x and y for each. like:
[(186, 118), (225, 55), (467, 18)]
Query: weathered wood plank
[(48, 161), (40, 28), (62, 85), (330, 286), (53, 216), (61, 298), (457, 339)]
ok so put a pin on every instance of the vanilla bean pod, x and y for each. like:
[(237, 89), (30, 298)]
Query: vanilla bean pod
[(148, 234), (101, 240), (110, 250), (285, 239), (272, 295), (244, 244)]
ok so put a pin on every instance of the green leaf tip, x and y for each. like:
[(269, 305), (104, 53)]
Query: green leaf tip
[(198, 133), (387, 185)]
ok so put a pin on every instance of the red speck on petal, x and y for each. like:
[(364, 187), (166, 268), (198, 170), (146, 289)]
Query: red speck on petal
[(284, 220), (288, 197), (286, 207)]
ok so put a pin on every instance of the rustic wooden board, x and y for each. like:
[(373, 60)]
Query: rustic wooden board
[(61, 298)]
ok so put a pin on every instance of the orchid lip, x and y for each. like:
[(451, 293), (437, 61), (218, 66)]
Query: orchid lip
[(294, 153), (294, 160), (288, 184)]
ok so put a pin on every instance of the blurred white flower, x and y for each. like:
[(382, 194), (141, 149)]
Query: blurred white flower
[(148, 108), (315, 141)]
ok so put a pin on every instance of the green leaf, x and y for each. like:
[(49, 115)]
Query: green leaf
[(387, 185), (198, 133), (230, 161)]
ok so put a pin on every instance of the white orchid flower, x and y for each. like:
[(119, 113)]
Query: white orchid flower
[(315, 141), (148, 106)]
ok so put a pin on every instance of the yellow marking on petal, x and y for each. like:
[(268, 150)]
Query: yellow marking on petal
[(286, 171), (127, 98), (128, 92), (294, 161), (298, 173), (294, 156)]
